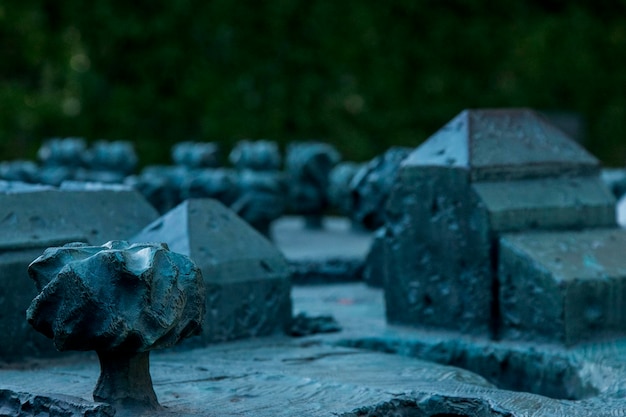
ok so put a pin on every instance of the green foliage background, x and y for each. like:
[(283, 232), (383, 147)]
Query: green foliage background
[(364, 75)]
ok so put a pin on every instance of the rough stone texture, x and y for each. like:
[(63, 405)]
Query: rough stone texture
[(438, 252), (22, 404), (246, 277), (391, 373), (486, 172), (584, 380), (373, 267), (566, 286)]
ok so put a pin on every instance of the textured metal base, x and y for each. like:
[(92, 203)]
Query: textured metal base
[(347, 373)]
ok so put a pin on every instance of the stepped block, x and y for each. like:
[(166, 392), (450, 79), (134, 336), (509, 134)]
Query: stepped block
[(563, 287)]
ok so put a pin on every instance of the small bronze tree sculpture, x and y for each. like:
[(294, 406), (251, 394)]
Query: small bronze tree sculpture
[(259, 155), (122, 301), (262, 198), (371, 184), (308, 167)]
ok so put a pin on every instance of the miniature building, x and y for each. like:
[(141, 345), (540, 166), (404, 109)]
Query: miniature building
[(33, 218), (485, 174), (563, 286), (246, 277)]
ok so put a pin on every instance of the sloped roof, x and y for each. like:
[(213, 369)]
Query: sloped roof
[(224, 246), (497, 143), (35, 216)]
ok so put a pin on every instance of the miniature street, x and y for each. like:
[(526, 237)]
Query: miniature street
[(480, 274), (317, 376), (313, 209)]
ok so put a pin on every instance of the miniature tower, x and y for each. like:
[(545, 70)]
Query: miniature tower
[(485, 177)]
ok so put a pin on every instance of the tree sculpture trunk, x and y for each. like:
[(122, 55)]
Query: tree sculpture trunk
[(125, 380)]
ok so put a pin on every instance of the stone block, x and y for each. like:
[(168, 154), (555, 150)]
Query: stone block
[(17, 290), (246, 277), (485, 173), (564, 287), (106, 213), (35, 218), (437, 263), (374, 266), (547, 203), (42, 217)]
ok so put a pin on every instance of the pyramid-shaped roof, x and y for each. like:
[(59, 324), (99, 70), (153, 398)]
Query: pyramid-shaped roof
[(224, 246), (510, 143)]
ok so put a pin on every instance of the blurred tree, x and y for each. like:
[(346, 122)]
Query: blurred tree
[(362, 75)]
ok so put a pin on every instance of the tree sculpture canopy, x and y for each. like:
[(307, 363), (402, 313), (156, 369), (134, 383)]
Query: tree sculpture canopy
[(121, 300)]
